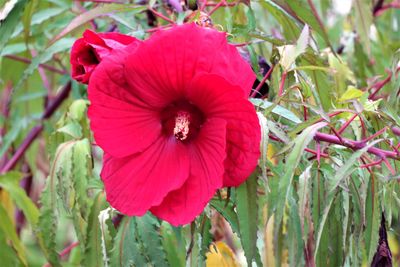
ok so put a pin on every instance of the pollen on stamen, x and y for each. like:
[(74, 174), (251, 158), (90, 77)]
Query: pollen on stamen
[(182, 122)]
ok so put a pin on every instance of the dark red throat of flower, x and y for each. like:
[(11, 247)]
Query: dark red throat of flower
[(182, 120)]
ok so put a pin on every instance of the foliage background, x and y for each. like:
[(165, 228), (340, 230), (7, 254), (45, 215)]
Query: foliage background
[(313, 201)]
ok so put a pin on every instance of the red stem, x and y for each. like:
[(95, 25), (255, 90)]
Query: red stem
[(64, 252), (375, 135), (372, 164), (253, 94), (28, 61), (161, 16), (344, 126), (378, 86), (386, 7), (283, 79), (355, 145), (324, 155), (221, 3)]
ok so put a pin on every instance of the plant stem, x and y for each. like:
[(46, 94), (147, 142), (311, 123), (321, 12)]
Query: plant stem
[(28, 61), (355, 145), (283, 79), (253, 94)]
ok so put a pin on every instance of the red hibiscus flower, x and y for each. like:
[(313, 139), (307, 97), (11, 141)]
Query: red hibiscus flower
[(172, 116), (87, 52)]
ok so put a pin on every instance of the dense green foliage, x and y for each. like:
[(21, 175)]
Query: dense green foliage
[(330, 158)]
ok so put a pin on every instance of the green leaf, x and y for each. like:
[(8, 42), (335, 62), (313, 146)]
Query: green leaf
[(247, 213), (227, 210), (10, 183), (81, 169), (43, 57), (289, 53), (93, 255), (8, 23), (277, 109), (373, 218), (206, 238), (7, 227), (13, 49), (304, 192), (363, 22), (290, 26), (148, 234), (346, 169), (173, 245), (11, 136), (78, 108), (8, 257), (300, 143), (126, 250), (351, 93), (96, 12), (47, 225), (27, 18), (268, 38), (343, 172), (73, 129), (306, 14)]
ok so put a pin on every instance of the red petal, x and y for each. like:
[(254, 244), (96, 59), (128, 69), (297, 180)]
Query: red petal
[(104, 43), (166, 63), (122, 124), (217, 98), (207, 155), (135, 183)]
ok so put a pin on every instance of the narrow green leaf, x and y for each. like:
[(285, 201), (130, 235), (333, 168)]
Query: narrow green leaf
[(247, 213), (304, 191), (27, 18), (148, 233), (81, 172), (10, 183), (11, 136), (206, 238), (277, 109), (305, 13), (343, 172), (226, 209), (96, 12), (93, 255), (7, 227), (175, 250), (73, 129), (300, 143), (47, 225), (8, 257), (373, 218), (8, 24), (289, 53), (126, 250), (290, 25), (43, 57), (364, 21)]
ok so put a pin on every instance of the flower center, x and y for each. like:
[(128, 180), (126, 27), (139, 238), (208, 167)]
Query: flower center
[(182, 120)]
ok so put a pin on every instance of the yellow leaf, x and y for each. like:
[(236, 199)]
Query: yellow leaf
[(7, 203), (271, 151), (221, 255), (351, 93)]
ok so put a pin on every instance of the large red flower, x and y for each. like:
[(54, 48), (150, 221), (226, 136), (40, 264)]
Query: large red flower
[(88, 51), (172, 116)]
